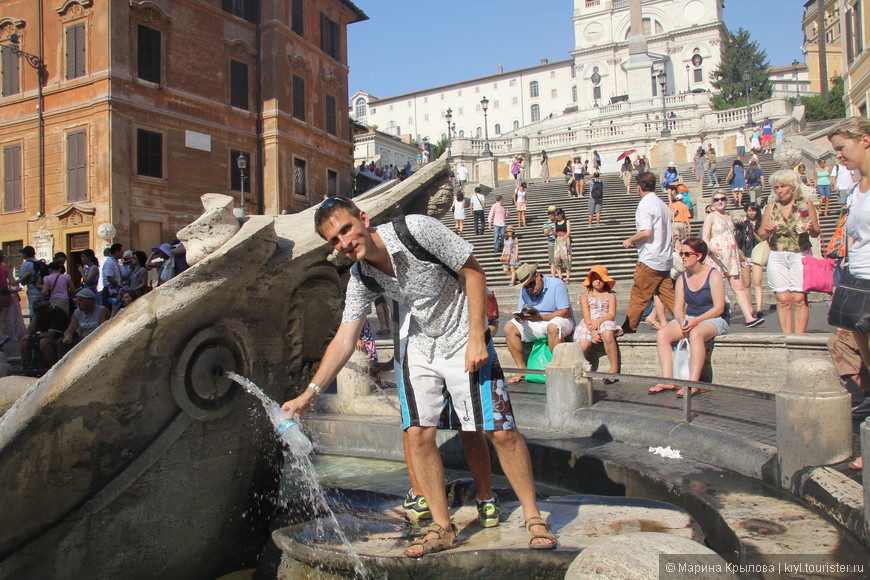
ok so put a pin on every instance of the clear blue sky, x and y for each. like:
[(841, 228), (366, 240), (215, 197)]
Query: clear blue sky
[(407, 46)]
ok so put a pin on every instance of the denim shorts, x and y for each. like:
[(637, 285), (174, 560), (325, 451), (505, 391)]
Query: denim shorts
[(824, 190), (720, 323)]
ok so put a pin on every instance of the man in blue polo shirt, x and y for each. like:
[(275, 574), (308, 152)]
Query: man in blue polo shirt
[(544, 310)]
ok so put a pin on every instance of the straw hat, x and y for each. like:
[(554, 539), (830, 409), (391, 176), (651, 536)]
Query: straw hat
[(602, 273), (526, 271)]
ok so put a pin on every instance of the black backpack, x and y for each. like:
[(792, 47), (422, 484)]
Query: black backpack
[(413, 246), (597, 188)]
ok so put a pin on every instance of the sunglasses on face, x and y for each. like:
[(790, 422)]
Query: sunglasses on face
[(687, 254), (715, 199)]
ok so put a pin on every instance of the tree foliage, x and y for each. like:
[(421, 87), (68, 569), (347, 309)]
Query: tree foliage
[(740, 55), (834, 107), (439, 148)]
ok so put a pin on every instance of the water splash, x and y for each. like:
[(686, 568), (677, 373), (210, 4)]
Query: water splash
[(299, 471)]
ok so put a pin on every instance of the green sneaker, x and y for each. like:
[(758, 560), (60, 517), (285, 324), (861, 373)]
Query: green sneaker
[(488, 512), (416, 508)]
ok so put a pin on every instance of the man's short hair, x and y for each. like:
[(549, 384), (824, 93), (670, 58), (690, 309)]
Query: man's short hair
[(115, 248), (647, 181), (27, 251), (476, 190), (328, 209)]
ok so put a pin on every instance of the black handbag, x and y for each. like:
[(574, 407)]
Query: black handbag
[(850, 305)]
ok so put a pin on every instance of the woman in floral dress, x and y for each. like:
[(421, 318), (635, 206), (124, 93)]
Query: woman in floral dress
[(787, 226), (718, 233)]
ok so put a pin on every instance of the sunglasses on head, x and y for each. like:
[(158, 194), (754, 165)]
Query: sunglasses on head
[(687, 254), (715, 199), (331, 201)]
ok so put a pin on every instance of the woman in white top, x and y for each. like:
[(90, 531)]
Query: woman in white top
[(851, 141), (459, 212), (521, 203)]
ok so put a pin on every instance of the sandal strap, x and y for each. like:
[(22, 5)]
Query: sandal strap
[(537, 521)]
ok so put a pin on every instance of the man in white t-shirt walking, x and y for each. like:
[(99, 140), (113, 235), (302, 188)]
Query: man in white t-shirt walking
[(654, 252), (844, 182), (462, 175), (740, 141), (478, 206)]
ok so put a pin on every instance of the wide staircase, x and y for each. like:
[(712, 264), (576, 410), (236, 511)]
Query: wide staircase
[(598, 244)]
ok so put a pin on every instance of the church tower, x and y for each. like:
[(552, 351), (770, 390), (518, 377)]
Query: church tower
[(620, 46)]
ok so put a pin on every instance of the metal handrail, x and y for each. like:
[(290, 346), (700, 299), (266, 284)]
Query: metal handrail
[(686, 385)]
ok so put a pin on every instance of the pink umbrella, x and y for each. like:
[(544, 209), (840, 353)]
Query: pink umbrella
[(626, 154)]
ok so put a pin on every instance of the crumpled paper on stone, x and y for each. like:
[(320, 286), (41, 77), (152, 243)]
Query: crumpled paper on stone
[(666, 452)]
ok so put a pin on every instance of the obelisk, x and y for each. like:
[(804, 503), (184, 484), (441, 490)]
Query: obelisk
[(639, 66)]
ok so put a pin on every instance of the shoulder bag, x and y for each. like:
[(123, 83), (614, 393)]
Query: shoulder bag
[(850, 305)]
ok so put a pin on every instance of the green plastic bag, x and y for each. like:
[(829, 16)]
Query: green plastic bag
[(538, 359)]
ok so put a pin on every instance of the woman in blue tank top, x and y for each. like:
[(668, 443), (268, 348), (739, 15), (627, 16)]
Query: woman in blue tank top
[(700, 314)]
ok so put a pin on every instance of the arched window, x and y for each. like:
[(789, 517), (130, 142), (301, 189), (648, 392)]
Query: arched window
[(360, 107), (536, 113), (478, 132), (533, 89), (461, 133), (516, 125), (497, 129)]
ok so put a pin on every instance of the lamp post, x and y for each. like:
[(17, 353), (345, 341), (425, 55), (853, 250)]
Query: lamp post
[(484, 104), (662, 77), (37, 63), (242, 164), (749, 122), (688, 79), (449, 117)]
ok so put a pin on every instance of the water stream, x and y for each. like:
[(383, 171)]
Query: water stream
[(297, 464)]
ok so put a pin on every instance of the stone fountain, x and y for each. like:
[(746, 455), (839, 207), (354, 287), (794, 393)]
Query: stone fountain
[(134, 456)]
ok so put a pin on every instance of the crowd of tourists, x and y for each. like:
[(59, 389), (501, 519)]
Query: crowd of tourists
[(66, 307)]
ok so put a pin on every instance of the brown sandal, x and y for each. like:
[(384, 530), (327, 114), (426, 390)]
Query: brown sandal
[(545, 535), (442, 540)]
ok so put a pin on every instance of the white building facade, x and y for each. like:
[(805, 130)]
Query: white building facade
[(681, 37)]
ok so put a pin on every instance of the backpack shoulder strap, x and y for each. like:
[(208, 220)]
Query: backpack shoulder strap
[(418, 251), (367, 280)]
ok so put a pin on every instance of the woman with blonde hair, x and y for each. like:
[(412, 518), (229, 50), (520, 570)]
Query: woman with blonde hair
[(851, 141), (787, 225)]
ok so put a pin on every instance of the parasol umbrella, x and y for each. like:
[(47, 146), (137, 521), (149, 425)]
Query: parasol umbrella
[(626, 154)]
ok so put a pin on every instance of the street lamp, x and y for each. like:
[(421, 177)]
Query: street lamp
[(688, 81), (484, 104), (749, 122), (37, 63), (449, 117), (242, 164), (662, 77)]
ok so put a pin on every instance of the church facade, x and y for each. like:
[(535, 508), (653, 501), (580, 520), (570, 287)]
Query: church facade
[(608, 65)]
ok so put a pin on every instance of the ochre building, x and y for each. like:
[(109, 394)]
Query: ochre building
[(146, 105)]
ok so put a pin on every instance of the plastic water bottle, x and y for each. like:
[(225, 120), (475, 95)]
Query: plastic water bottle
[(293, 436)]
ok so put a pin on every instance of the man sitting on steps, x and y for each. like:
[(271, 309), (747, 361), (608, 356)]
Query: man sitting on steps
[(544, 310)]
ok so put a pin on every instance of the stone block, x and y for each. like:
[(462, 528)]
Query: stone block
[(567, 389), (354, 380), (635, 556), (813, 418)]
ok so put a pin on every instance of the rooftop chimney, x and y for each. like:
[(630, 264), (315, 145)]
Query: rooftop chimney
[(500, 69), (544, 61)]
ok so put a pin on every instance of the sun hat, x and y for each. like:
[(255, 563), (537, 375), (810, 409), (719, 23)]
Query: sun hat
[(551, 209), (509, 229), (165, 248), (602, 273), (526, 271), (679, 197)]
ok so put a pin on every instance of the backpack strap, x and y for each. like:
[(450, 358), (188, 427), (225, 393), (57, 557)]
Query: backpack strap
[(367, 280), (418, 251)]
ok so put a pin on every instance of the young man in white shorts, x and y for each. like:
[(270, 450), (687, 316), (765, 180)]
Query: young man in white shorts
[(448, 350)]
